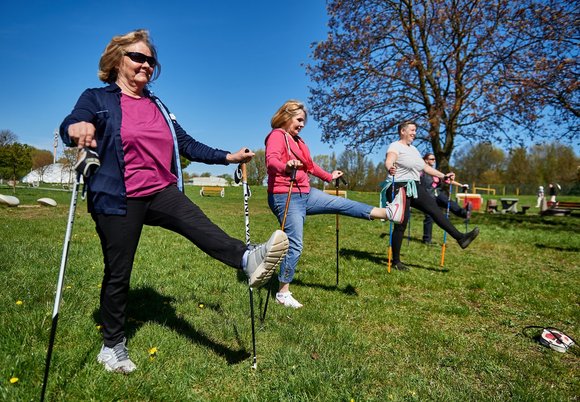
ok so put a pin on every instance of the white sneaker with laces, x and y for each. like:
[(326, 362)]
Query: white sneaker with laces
[(396, 209), (116, 358), (286, 299)]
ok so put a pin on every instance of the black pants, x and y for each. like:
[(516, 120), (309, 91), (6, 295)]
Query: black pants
[(441, 201), (426, 204), (170, 209)]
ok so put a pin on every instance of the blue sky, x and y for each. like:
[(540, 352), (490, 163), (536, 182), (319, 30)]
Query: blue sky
[(226, 65)]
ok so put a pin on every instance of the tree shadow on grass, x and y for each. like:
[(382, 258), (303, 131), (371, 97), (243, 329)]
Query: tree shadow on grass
[(382, 259), (375, 258), (429, 268), (347, 290), (147, 305), (558, 248)]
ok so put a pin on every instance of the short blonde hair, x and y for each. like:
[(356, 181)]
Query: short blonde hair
[(115, 51), (288, 110)]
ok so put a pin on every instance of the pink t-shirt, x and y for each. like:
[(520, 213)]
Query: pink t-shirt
[(278, 152), (148, 147)]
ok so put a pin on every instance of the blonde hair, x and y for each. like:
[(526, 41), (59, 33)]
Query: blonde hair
[(115, 51), (288, 110)]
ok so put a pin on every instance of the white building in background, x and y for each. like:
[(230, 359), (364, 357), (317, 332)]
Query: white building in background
[(55, 173), (208, 181)]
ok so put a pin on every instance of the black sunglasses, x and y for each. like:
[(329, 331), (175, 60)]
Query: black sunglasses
[(141, 58)]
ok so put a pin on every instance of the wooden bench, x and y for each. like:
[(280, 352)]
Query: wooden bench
[(212, 190), (565, 205), (341, 193)]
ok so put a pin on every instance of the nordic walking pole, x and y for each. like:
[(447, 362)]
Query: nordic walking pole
[(390, 253), (88, 163), (409, 233), (337, 184), (445, 232), (244, 176), (292, 180), (60, 282), (468, 211)]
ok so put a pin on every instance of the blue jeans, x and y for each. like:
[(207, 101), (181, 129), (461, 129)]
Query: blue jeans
[(301, 204)]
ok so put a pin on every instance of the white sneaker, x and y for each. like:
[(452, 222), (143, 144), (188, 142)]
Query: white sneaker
[(263, 259), (287, 300), (116, 358), (396, 209)]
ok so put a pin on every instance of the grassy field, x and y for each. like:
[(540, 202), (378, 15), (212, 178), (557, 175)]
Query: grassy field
[(456, 333)]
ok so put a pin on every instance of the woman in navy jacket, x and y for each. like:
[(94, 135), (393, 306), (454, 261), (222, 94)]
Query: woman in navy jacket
[(139, 182)]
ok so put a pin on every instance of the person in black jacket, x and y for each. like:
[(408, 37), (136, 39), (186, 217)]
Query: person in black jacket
[(434, 186), (139, 182)]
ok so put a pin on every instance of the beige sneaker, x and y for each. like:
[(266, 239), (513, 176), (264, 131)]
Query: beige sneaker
[(264, 258)]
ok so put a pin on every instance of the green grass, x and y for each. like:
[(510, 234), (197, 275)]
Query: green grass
[(456, 333)]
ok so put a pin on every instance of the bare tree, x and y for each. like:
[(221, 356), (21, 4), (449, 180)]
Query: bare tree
[(7, 137), (454, 66)]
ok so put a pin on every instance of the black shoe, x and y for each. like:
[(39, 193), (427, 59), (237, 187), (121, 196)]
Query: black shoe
[(399, 266), (468, 238)]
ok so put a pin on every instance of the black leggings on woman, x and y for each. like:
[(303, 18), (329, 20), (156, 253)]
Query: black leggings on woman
[(169, 209), (424, 203)]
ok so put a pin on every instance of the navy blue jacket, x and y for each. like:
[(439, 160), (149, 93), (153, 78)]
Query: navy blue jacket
[(106, 188)]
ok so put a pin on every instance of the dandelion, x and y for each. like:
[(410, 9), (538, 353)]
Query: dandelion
[(13, 380), (19, 302), (201, 305), (99, 327), (152, 353)]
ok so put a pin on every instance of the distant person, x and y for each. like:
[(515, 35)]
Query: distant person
[(433, 185), (286, 151), (405, 163), (553, 191), (540, 196), (139, 182)]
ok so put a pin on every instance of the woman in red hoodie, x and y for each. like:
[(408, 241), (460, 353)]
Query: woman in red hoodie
[(286, 151)]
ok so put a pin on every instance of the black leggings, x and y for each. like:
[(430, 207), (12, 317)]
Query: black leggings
[(424, 203), (169, 209)]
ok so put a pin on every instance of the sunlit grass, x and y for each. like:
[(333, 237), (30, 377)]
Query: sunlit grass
[(451, 333)]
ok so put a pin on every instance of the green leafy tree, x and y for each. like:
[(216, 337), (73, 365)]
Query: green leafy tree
[(15, 161), (481, 163), (457, 67), (184, 162), (553, 163), (256, 168), (519, 169)]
